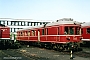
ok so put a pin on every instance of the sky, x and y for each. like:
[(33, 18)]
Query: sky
[(46, 10)]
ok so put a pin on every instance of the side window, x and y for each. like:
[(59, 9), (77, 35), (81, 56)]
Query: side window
[(21, 34), (33, 33), (25, 33), (77, 29), (66, 30), (42, 31), (71, 31), (28, 33), (88, 30)]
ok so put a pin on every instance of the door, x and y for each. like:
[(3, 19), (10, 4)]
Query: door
[(38, 36)]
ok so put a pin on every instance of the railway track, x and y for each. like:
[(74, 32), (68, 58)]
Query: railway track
[(11, 54), (14, 54), (17, 55), (85, 53), (35, 53)]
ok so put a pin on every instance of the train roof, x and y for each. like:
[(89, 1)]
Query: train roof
[(63, 21), (85, 24), (59, 22)]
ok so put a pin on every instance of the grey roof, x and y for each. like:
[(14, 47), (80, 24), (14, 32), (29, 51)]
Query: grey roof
[(32, 27), (85, 24)]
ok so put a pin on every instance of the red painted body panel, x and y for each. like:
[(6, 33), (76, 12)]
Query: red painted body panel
[(25, 38), (52, 31), (61, 30), (43, 38), (33, 38), (51, 38)]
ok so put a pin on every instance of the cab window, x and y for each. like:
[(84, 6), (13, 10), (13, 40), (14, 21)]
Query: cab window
[(77, 30), (88, 30), (69, 30), (66, 30)]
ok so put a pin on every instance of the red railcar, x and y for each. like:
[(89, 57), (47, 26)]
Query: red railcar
[(5, 41), (86, 33), (53, 35), (4, 32), (4, 36)]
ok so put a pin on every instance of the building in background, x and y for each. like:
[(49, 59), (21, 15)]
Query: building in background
[(16, 24)]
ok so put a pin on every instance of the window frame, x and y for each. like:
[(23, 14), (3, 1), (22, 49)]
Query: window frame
[(87, 30)]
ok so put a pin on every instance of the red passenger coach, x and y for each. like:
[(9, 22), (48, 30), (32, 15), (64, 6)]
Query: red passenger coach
[(86, 33), (55, 35)]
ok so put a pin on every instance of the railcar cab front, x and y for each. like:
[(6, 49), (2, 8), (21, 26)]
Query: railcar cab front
[(70, 31)]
